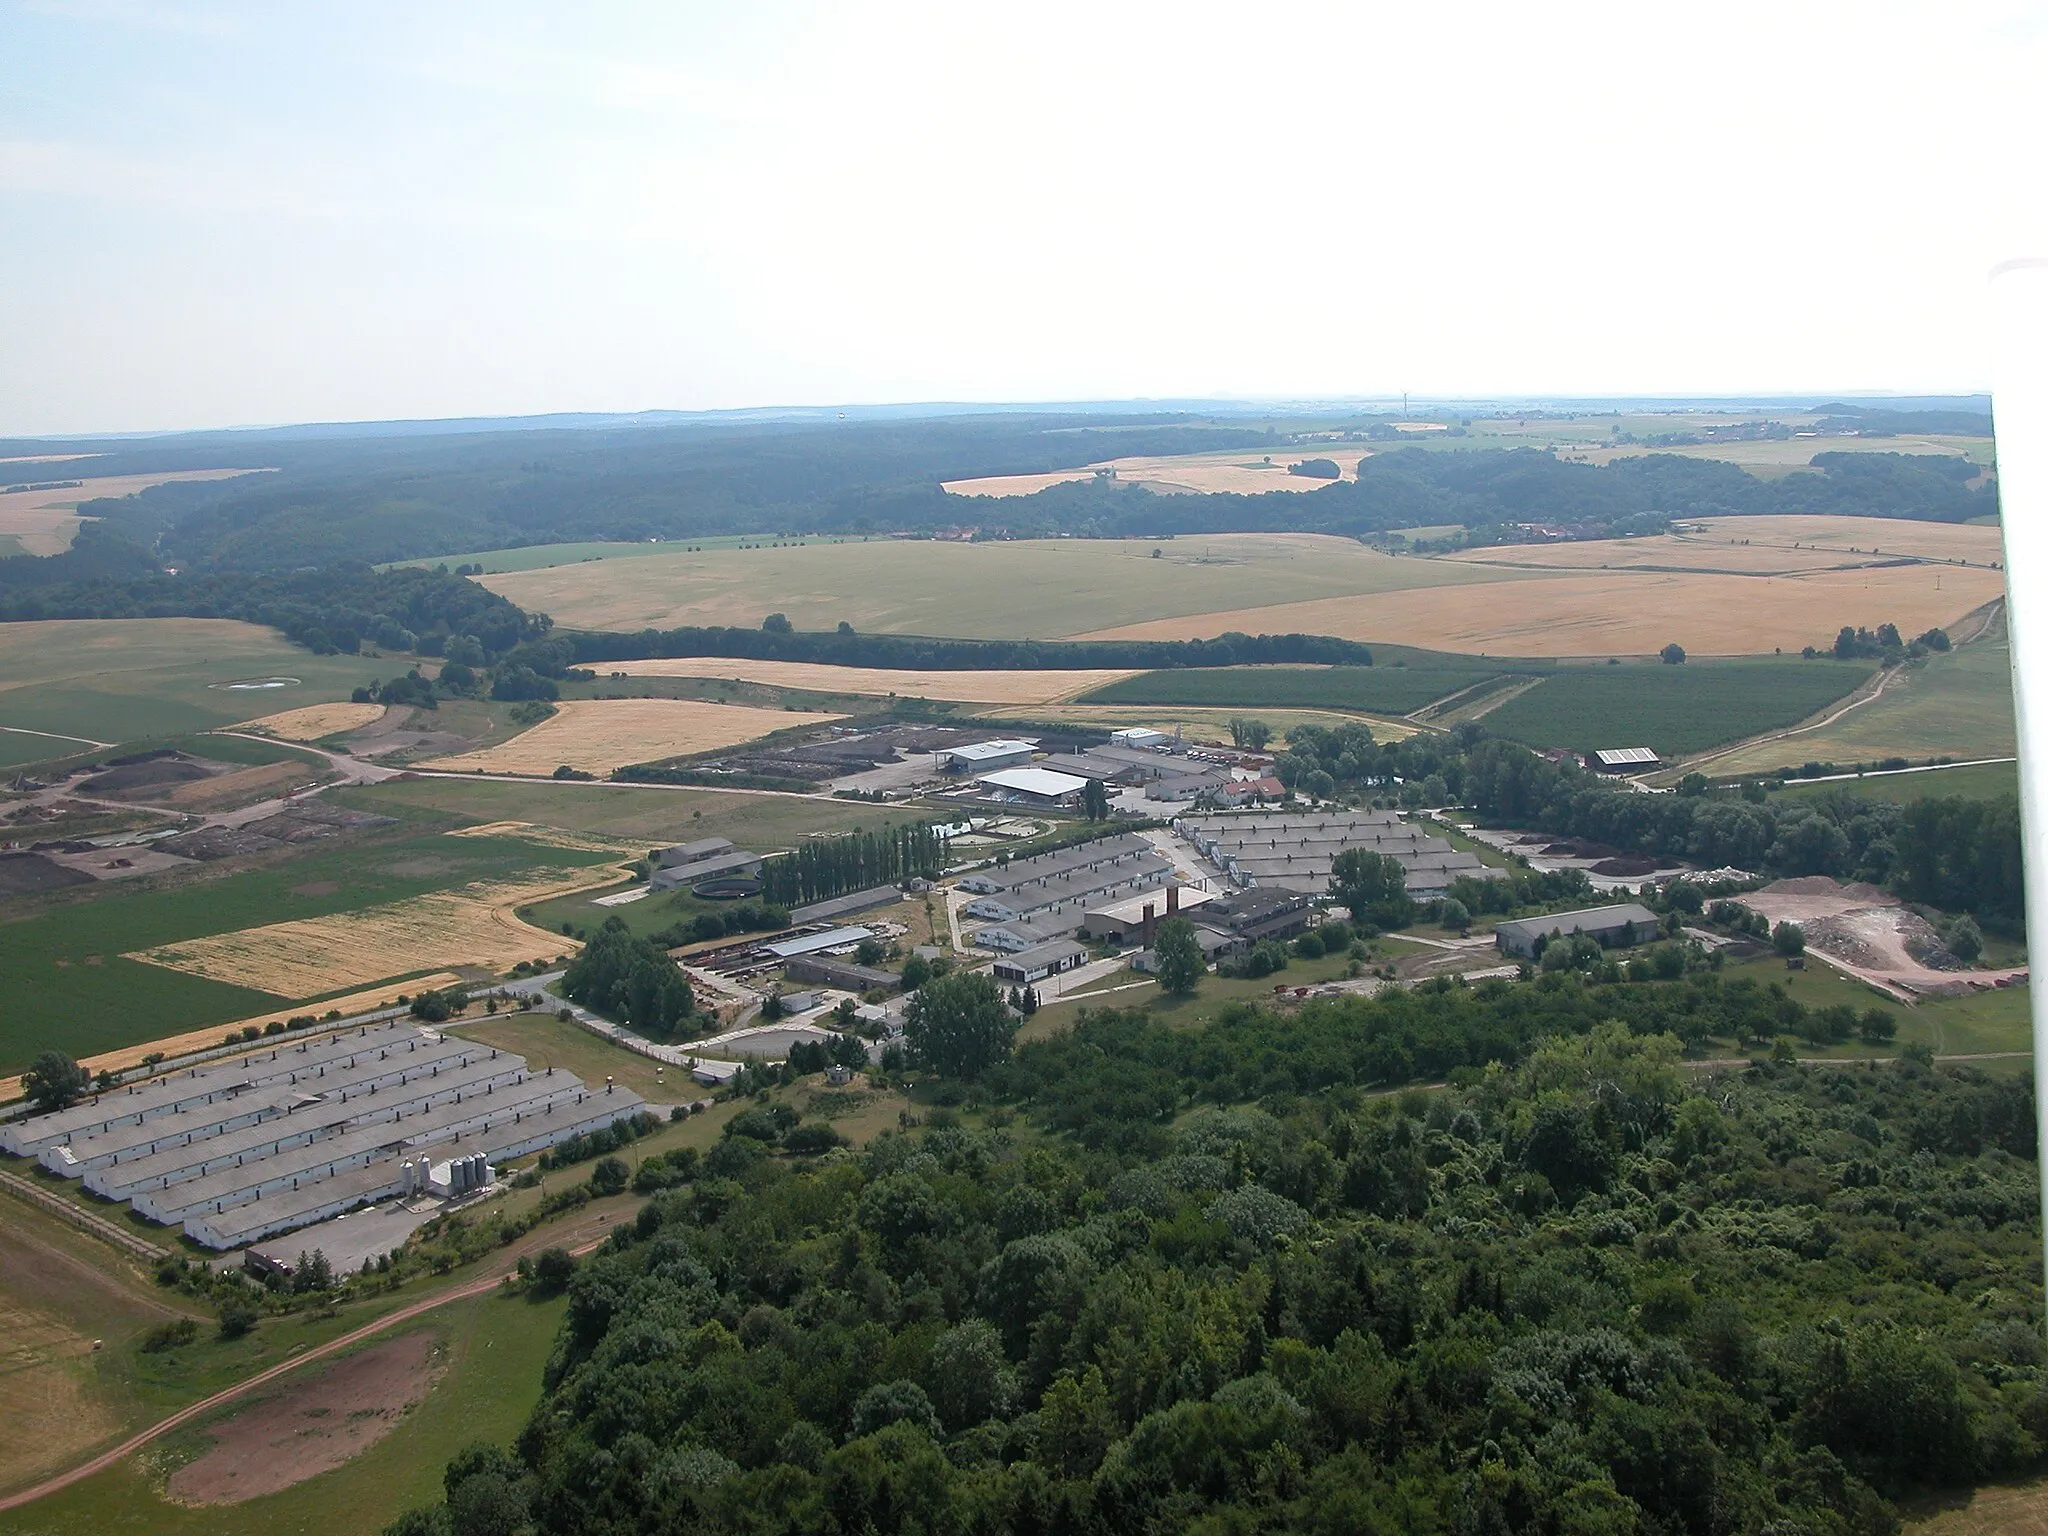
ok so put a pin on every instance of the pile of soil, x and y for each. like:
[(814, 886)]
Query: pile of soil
[(27, 874), (137, 780), (1629, 864)]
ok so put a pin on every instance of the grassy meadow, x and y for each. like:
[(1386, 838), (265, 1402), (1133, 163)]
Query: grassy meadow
[(119, 680), (1385, 690), (1981, 781), (1957, 705), (1675, 710), (1042, 588)]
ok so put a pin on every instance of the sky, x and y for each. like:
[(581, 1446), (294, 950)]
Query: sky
[(236, 214)]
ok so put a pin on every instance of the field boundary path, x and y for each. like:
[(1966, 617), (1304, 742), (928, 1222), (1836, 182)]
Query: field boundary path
[(135, 1442), (97, 1226), (1869, 693)]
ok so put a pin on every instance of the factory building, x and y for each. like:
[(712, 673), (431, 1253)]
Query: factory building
[(280, 1138), (1624, 924), (1034, 901), (1135, 919), (1039, 962), (986, 756), (1298, 851)]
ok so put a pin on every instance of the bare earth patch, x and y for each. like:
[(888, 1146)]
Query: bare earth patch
[(598, 735), (1868, 933), (312, 721), (1043, 687), (313, 1425)]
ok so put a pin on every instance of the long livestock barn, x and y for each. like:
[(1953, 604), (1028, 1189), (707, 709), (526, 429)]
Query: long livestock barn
[(277, 1139), (1297, 851), (1032, 901)]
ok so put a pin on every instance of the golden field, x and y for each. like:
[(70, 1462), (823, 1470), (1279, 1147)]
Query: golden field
[(1759, 545), (1043, 589), (310, 722), (1619, 613), (307, 957), (598, 735), (1044, 687)]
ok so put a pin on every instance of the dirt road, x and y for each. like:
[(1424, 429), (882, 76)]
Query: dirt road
[(578, 1241)]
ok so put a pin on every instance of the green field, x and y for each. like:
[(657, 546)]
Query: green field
[(120, 680), (1978, 782), (1674, 710), (68, 987), (1958, 705), (763, 822), (1378, 690), (1029, 588)]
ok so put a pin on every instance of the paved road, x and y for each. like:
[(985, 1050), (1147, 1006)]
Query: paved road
[(100, 1463)]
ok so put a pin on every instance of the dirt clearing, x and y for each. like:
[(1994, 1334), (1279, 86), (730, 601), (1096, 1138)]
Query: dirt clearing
[(1617, 613), (1046, 687), (238, 786), (312, 721), (312, 1426), (598, 735), (474, 926), (1865, 932), (1238, 470)]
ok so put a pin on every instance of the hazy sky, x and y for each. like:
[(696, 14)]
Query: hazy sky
[(240, 214)]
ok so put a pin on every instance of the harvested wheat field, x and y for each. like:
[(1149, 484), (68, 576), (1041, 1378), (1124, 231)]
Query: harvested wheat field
[(239, 786), (1760, 544), (1618, 613), (311, 1424), (598, 735), (308, 957), (1238, 470), (312, 721), (1046, 687), (45, 522)]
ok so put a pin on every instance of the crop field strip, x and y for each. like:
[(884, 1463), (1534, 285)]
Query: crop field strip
[(312, 957), (1758, 545), (1674, 710), (1370, 690), (1616, 613), (972, 687), (1235, 470), (598, 735), (1039, 588)]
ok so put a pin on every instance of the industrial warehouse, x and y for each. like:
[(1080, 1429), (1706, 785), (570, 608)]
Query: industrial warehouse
[(240, 1150), (1296, 852), (1030, 902)]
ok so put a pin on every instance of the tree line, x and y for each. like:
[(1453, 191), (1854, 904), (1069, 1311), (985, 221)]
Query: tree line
[(844, 647), (824, 867)]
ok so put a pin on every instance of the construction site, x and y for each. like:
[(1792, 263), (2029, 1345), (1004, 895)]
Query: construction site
[(302, 1132)]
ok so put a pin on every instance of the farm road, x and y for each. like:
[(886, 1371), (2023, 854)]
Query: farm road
[(482, 1285)]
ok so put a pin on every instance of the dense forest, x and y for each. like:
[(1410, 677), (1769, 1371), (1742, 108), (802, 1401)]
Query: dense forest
[(1203, 1281), (335, 609), (362, 494)]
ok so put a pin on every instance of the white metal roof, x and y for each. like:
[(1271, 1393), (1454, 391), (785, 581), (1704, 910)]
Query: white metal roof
[(1622, 757), (1033, 781), (810, 944), (979, 751)]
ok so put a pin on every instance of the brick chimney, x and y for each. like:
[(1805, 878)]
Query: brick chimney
[(1147, 926), (1172, 900)]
